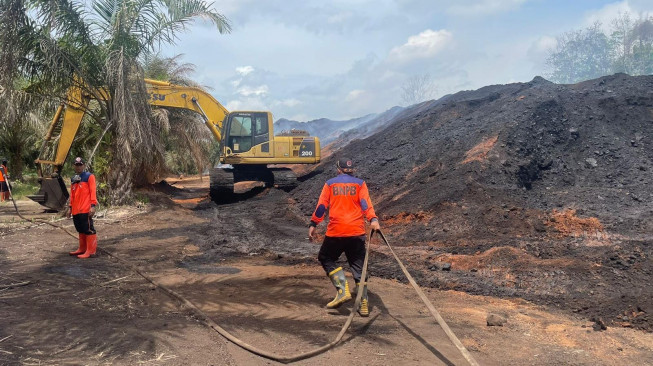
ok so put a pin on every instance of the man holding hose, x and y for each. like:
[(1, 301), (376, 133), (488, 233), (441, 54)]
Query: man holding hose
[(349, 204)]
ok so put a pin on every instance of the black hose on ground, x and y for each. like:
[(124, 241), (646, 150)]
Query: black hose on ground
[(432, 309), (246, 346), (31, 220)]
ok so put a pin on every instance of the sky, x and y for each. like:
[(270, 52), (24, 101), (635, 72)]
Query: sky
[(341, 59)]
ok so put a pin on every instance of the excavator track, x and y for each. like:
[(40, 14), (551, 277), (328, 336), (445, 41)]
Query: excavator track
[(224, 179), (284, 178), (222, 185)]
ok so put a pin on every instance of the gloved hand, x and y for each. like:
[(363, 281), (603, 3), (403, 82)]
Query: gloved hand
[(91, 213)]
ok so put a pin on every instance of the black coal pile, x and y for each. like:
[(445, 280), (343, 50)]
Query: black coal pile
[(534, 190)]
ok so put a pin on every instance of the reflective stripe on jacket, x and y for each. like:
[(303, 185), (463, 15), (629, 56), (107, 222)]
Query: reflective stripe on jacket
[(348, 202), (82, 193)]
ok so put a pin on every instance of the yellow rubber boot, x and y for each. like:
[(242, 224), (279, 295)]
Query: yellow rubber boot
[(363, 308), (340, 282)]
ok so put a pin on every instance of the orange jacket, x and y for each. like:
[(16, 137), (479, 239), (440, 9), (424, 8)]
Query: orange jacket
[(5, 171), (82, 193), (348, 201)]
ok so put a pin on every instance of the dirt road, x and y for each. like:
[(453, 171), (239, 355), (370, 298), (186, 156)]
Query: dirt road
[(249, 266)]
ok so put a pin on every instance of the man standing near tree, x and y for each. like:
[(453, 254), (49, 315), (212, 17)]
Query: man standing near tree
[(82, 208)]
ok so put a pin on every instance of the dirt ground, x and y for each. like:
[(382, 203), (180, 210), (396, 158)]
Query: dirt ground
[(249, 266)]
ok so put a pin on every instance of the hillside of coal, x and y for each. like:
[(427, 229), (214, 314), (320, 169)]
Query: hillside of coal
[(533, 190)]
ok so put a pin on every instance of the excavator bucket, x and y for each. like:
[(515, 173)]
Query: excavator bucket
[(53, 193)]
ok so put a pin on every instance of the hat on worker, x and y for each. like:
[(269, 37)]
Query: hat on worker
[(345, 164), (79, 161)]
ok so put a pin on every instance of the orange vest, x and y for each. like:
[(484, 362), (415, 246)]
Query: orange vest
[(5, 171), (82, 193), (348, 202)]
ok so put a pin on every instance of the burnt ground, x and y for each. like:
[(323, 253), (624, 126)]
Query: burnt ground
[(530, 190), (249, 266)]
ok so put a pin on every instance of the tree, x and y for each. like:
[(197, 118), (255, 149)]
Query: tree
[(590, 53), (19, 122), (642, 47), (622, 39), (18, 130), (580, 55), (418, 88), (97, 44), (188, 142)]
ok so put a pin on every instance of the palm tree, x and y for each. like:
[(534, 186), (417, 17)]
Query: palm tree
[(18, 129), (95, 45), (188, 142)]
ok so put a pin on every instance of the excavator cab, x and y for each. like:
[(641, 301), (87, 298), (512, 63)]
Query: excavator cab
[(247, 130)]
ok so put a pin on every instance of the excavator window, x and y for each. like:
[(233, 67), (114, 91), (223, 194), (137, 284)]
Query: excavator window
[(262, 134), (240, 133), (247, 130), (261, 125)]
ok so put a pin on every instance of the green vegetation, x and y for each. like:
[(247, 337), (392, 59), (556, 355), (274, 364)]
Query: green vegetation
[(591, 53), (28, 184), (21, 190)]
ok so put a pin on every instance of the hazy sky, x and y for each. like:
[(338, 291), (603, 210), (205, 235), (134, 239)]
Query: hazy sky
[(340, 59)]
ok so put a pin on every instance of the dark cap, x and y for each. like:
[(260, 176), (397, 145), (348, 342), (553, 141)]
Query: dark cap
[(346, 165), (79, 161)]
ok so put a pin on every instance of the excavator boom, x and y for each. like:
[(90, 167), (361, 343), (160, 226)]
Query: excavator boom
[(168, 95), (160, 93)]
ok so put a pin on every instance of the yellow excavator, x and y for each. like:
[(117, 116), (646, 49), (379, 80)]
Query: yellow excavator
[(247, 142)]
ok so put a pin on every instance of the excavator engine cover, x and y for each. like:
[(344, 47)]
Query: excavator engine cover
[(53, 193)]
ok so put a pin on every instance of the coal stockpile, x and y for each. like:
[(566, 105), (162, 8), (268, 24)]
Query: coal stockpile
[(534, 190)]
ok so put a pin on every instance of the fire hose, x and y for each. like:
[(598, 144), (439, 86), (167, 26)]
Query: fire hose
[(25, 218), (293, 358), (431, 308)]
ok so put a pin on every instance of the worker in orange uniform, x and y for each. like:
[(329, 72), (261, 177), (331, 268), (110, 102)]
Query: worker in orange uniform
[(349, 204), (4, 186), (82, 208)]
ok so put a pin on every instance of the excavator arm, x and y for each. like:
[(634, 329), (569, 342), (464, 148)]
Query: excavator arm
[(160, 93), (164, 94), (72, 111)]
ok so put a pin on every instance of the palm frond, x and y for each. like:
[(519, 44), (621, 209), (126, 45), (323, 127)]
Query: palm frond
[(166, 27)]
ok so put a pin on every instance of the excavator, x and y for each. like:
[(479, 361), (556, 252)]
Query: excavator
[(246, 139)]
